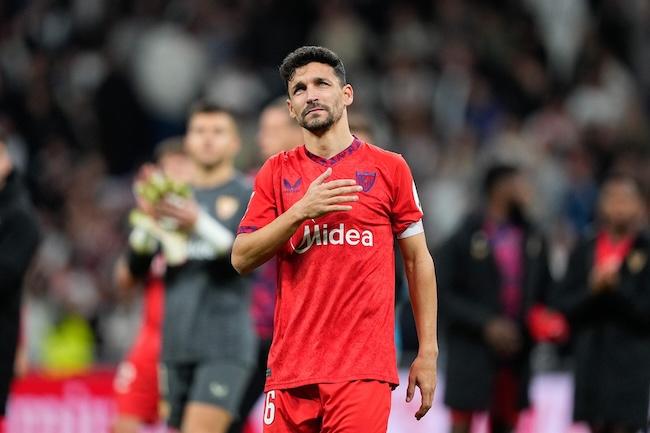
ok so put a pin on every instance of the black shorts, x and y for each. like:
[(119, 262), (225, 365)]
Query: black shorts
[(218, 383)]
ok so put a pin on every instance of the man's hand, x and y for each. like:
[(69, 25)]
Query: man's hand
[(604, 278), (324, 197), (184, 211), (144, 173), (422, 375), (503, 336)]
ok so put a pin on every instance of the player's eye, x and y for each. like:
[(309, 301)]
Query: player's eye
[(298, 88)]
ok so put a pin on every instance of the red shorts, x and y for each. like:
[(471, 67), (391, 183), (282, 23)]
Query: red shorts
[(348, 407), (136, 389)]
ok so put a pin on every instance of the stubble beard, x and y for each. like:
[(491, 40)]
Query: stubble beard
[(319, 126)]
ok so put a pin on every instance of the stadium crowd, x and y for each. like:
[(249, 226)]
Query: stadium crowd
[(560, 88)]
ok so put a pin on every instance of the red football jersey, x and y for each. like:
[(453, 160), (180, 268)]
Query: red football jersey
[(147, 343), (146, 346), (334, 316)]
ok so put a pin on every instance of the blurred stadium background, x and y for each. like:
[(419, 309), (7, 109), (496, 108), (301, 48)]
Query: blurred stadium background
[(87, 87)]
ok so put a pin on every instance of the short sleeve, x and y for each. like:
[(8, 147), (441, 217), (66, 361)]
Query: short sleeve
[(406, 209), (262, 207)]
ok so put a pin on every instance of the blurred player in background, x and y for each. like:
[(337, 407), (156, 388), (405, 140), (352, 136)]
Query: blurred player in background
[(492, 272), (328, 210), (136, 381), (19, 236), (278, 132), (606, 296), (208, 342)]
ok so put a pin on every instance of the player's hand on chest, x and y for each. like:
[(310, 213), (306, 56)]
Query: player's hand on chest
[(349, 193)]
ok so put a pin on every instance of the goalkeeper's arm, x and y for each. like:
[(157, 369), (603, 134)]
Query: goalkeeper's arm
[(215, 233)]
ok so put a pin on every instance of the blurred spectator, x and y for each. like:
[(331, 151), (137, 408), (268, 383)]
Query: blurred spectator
[(561, 86), (19, 235), (345, 33), (606, 296), (562, 24), (277, 130), (491, 272)]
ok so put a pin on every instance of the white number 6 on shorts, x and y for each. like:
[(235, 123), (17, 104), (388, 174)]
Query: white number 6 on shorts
[(269, 408)]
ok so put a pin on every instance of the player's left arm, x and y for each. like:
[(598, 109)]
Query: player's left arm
[(420, 273)]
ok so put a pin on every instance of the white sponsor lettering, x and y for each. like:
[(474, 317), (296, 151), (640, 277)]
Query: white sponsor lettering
[(336, 236)]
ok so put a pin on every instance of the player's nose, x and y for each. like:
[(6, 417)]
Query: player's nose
[(312, 94)]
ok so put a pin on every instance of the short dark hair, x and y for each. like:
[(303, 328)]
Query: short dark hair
[(496, 174), (169, 146), (205, 106), (3, 135), (308, 54)]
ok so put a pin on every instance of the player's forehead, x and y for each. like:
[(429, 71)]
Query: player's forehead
[(275, 115), (620, 190), (212, 119), (312, 71)]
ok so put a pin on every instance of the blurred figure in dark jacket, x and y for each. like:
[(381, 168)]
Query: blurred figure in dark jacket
[(491, 273), (606, 297), (18, 241)]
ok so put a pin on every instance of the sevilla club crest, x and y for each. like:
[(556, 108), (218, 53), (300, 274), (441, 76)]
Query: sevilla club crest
[(366, 179), (226, 206)]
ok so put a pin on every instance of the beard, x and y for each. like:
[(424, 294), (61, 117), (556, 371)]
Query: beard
[(208, 165), (517, 213), (319, 124)]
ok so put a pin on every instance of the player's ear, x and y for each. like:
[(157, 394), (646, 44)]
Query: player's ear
[(290, 107), (348, 95)]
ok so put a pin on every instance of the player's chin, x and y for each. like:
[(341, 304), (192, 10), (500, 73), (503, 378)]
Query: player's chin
[(317, 125), (211, 163)]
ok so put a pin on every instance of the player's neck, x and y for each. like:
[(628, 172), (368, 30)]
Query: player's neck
[(213, 176), (331, 142)]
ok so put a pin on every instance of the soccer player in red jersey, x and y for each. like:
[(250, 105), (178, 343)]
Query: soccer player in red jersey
[(136, 382), (328, 211)]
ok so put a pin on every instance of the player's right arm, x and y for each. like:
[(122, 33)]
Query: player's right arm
[(254, 248)]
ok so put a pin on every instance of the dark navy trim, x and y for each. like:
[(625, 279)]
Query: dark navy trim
[(356, 143)]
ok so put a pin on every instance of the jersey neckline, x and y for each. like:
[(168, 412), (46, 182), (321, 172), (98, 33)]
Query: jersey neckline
[(356, 144)]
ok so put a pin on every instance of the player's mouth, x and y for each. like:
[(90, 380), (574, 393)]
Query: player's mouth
[(314, 110)]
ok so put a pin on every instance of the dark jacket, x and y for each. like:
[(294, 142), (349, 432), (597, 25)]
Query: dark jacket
[(469, 282), (18, 240), (611, 336)]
